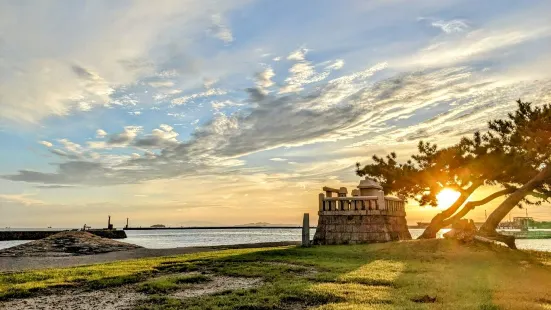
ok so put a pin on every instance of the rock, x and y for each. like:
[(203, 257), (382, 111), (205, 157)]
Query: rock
[(463, 230), (68, 243)]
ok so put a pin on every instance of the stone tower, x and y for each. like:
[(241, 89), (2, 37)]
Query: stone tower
[(365, 217)]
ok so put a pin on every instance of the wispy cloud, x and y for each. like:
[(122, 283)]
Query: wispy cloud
[(220, 30), (451, 26), (25, 199), (43, 77)]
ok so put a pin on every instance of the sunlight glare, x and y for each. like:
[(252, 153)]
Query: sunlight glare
[(446, 198)]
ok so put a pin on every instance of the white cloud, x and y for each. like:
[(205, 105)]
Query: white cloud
[(208, 93), (161, 84), (278, 159), (71, 146), (209, 82), (166, 127), (84, 106), (264, 78), (475, 45), (100, 133), (136, 113), (276, 58), (218, 105), (302, 73), (122, 139), (337, 65), (451, 26), (159, 138), (46, 143), (72, 63), (298, 55)]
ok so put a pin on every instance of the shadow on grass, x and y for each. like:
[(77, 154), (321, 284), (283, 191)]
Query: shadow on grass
[(430, 274)]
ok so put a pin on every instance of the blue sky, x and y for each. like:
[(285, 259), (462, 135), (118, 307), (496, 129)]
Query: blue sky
[(240, 111)]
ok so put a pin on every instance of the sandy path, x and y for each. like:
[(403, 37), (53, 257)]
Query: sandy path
[(109, 299), (10, 264), (122, 298)]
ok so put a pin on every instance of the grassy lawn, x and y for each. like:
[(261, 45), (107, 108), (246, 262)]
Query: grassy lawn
[(404, 275)]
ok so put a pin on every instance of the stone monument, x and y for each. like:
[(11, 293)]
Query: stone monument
[(365, 217)]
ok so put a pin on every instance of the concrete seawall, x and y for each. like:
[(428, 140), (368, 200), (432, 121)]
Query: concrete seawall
[(36, 235)]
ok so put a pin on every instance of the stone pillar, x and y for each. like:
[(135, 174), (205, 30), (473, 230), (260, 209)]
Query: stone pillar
[(321, 202), (306, 230), (342, 193), (370, 187)]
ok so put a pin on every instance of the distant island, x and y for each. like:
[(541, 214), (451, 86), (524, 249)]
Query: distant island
[(158, 226)]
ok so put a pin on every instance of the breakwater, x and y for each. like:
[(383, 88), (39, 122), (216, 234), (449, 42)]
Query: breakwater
[(36, 235), (531, 234)]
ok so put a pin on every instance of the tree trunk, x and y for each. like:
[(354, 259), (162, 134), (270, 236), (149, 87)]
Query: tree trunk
[(437, 221), (489, 227)]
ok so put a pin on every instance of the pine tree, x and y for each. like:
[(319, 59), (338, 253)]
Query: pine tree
[(509, 155)]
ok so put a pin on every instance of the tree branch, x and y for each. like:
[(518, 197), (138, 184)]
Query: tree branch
[(473, 204)]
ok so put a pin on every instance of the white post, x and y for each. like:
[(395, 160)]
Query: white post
[(306, 230)]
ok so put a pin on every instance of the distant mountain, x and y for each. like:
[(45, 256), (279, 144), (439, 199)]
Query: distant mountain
[(199, 224), (264, 224)]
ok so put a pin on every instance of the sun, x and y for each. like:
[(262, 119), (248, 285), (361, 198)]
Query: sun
[(446, 198)]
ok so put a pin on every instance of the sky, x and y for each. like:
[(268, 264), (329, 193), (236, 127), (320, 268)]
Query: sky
[(205, 112)]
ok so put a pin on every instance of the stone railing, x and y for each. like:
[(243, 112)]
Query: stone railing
[(360, 205), (349, 203), (395, 204)]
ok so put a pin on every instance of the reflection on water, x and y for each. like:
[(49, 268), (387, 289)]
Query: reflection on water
[(200, 237), (158, 239), (416, 232), (9, 244)]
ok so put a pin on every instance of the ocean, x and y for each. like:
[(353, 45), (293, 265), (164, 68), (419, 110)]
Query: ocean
[(159, 239)]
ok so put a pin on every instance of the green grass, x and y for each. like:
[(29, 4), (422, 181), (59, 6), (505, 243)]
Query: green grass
[(402, 275)]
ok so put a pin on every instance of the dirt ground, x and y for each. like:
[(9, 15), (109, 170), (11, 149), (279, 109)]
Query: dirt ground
[(122, 298)]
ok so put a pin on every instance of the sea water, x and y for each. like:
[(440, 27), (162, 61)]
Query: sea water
[(158, 239)]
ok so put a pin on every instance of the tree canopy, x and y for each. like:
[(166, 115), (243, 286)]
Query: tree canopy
[(508, 155)]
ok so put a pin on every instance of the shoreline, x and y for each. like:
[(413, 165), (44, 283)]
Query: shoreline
[(16, 264)]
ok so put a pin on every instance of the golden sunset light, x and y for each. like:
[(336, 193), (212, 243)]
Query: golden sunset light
[(446, 198), (246, 154)]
